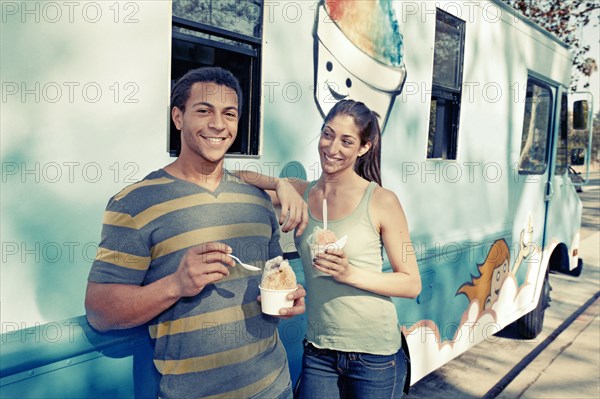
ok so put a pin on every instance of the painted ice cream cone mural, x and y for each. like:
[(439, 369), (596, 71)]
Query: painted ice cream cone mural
[(358, 54)]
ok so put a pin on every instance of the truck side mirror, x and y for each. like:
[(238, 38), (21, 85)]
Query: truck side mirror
[(580, 114), (578, 156)]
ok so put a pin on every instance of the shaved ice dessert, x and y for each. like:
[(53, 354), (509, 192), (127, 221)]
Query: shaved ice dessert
[(278, 275), (278, 280), (323, 237), (318, 242)]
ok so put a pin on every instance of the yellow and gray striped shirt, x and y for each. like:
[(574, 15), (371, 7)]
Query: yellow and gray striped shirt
[(217, 343)]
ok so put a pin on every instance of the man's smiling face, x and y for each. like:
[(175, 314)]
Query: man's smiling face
[(209, 122)]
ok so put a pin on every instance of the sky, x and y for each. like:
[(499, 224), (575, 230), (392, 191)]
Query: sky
[(591, 36)]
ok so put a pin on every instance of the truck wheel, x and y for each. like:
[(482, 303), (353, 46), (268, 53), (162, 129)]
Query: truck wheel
[(531, 324), (577, 271)]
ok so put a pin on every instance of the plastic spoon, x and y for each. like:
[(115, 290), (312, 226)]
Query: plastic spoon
[(245, 265), (324, 213)]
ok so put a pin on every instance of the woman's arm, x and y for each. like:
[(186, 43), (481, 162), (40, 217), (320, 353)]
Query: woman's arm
[(284, 192), (405, 281)]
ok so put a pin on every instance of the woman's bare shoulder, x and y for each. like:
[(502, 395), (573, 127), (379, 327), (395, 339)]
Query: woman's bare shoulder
[(386, 208), (383, 197)]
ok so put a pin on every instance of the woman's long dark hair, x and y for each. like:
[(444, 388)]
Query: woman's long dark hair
[(368, 166)]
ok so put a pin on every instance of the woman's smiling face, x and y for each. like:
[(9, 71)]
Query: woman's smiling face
[(340, 144)]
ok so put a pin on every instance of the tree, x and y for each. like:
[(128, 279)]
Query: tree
[(596, 139), (595, 155), (241, 16), (565, 19)]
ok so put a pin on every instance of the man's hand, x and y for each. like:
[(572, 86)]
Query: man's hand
[(294, 211), (202, 265)]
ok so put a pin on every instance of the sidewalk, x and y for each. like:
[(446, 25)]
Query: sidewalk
[(570, 366)]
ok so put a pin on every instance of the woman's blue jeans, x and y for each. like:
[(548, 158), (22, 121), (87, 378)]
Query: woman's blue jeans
[(329, 374)]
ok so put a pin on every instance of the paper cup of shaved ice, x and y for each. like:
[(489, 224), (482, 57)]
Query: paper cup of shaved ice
[(318, 242), (278, 280)]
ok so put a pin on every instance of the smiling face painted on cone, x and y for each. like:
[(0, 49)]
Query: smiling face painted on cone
[(358, 55), (209, 121), (339, 144)]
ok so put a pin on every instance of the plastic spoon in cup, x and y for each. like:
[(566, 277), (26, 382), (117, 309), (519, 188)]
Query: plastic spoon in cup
[(245, 265), (324, 213)]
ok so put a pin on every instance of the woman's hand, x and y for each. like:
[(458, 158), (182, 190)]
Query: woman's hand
[(285, 193), (335, 263), (294, 211)]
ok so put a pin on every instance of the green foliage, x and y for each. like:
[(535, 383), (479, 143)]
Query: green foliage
[(233, 15), (565, 19)]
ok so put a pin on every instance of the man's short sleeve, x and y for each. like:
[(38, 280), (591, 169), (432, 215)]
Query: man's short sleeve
[(123, 257)]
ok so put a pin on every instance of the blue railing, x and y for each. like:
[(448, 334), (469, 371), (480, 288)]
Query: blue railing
[(70, 359)]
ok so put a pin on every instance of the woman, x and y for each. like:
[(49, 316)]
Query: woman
[(353, 342)]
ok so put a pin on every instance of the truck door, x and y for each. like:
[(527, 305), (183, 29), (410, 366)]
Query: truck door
[(534, 188), (563, 213), (564, 207)]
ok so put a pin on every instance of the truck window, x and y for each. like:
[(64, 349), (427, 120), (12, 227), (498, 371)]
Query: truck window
[(536, 129), (225, 33), (562, 161), (446, 92)]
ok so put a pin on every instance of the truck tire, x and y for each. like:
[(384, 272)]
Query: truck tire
[(531, 324), (577, 271), (559, 261)]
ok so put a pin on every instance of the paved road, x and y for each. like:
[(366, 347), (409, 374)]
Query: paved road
[(562, 362), (590, 195)]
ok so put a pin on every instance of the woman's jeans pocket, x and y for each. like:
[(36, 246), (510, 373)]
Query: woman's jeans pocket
[(377, 362)]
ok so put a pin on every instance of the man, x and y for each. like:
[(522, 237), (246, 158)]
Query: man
[(163, 258)]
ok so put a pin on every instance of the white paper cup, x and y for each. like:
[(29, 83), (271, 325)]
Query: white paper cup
[(314, 250), (318, 249), (273, 300)]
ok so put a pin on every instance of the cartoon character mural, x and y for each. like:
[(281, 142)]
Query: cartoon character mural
[(493, 294), (485, 288), (358, 54), (526, 245), (493, 271)]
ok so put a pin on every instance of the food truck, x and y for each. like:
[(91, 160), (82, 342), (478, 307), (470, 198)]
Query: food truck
[(474, 105)]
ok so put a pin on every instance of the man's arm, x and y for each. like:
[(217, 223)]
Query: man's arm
[(119, 306)]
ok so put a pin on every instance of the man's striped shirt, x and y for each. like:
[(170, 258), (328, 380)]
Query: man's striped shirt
[(217, 343)]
